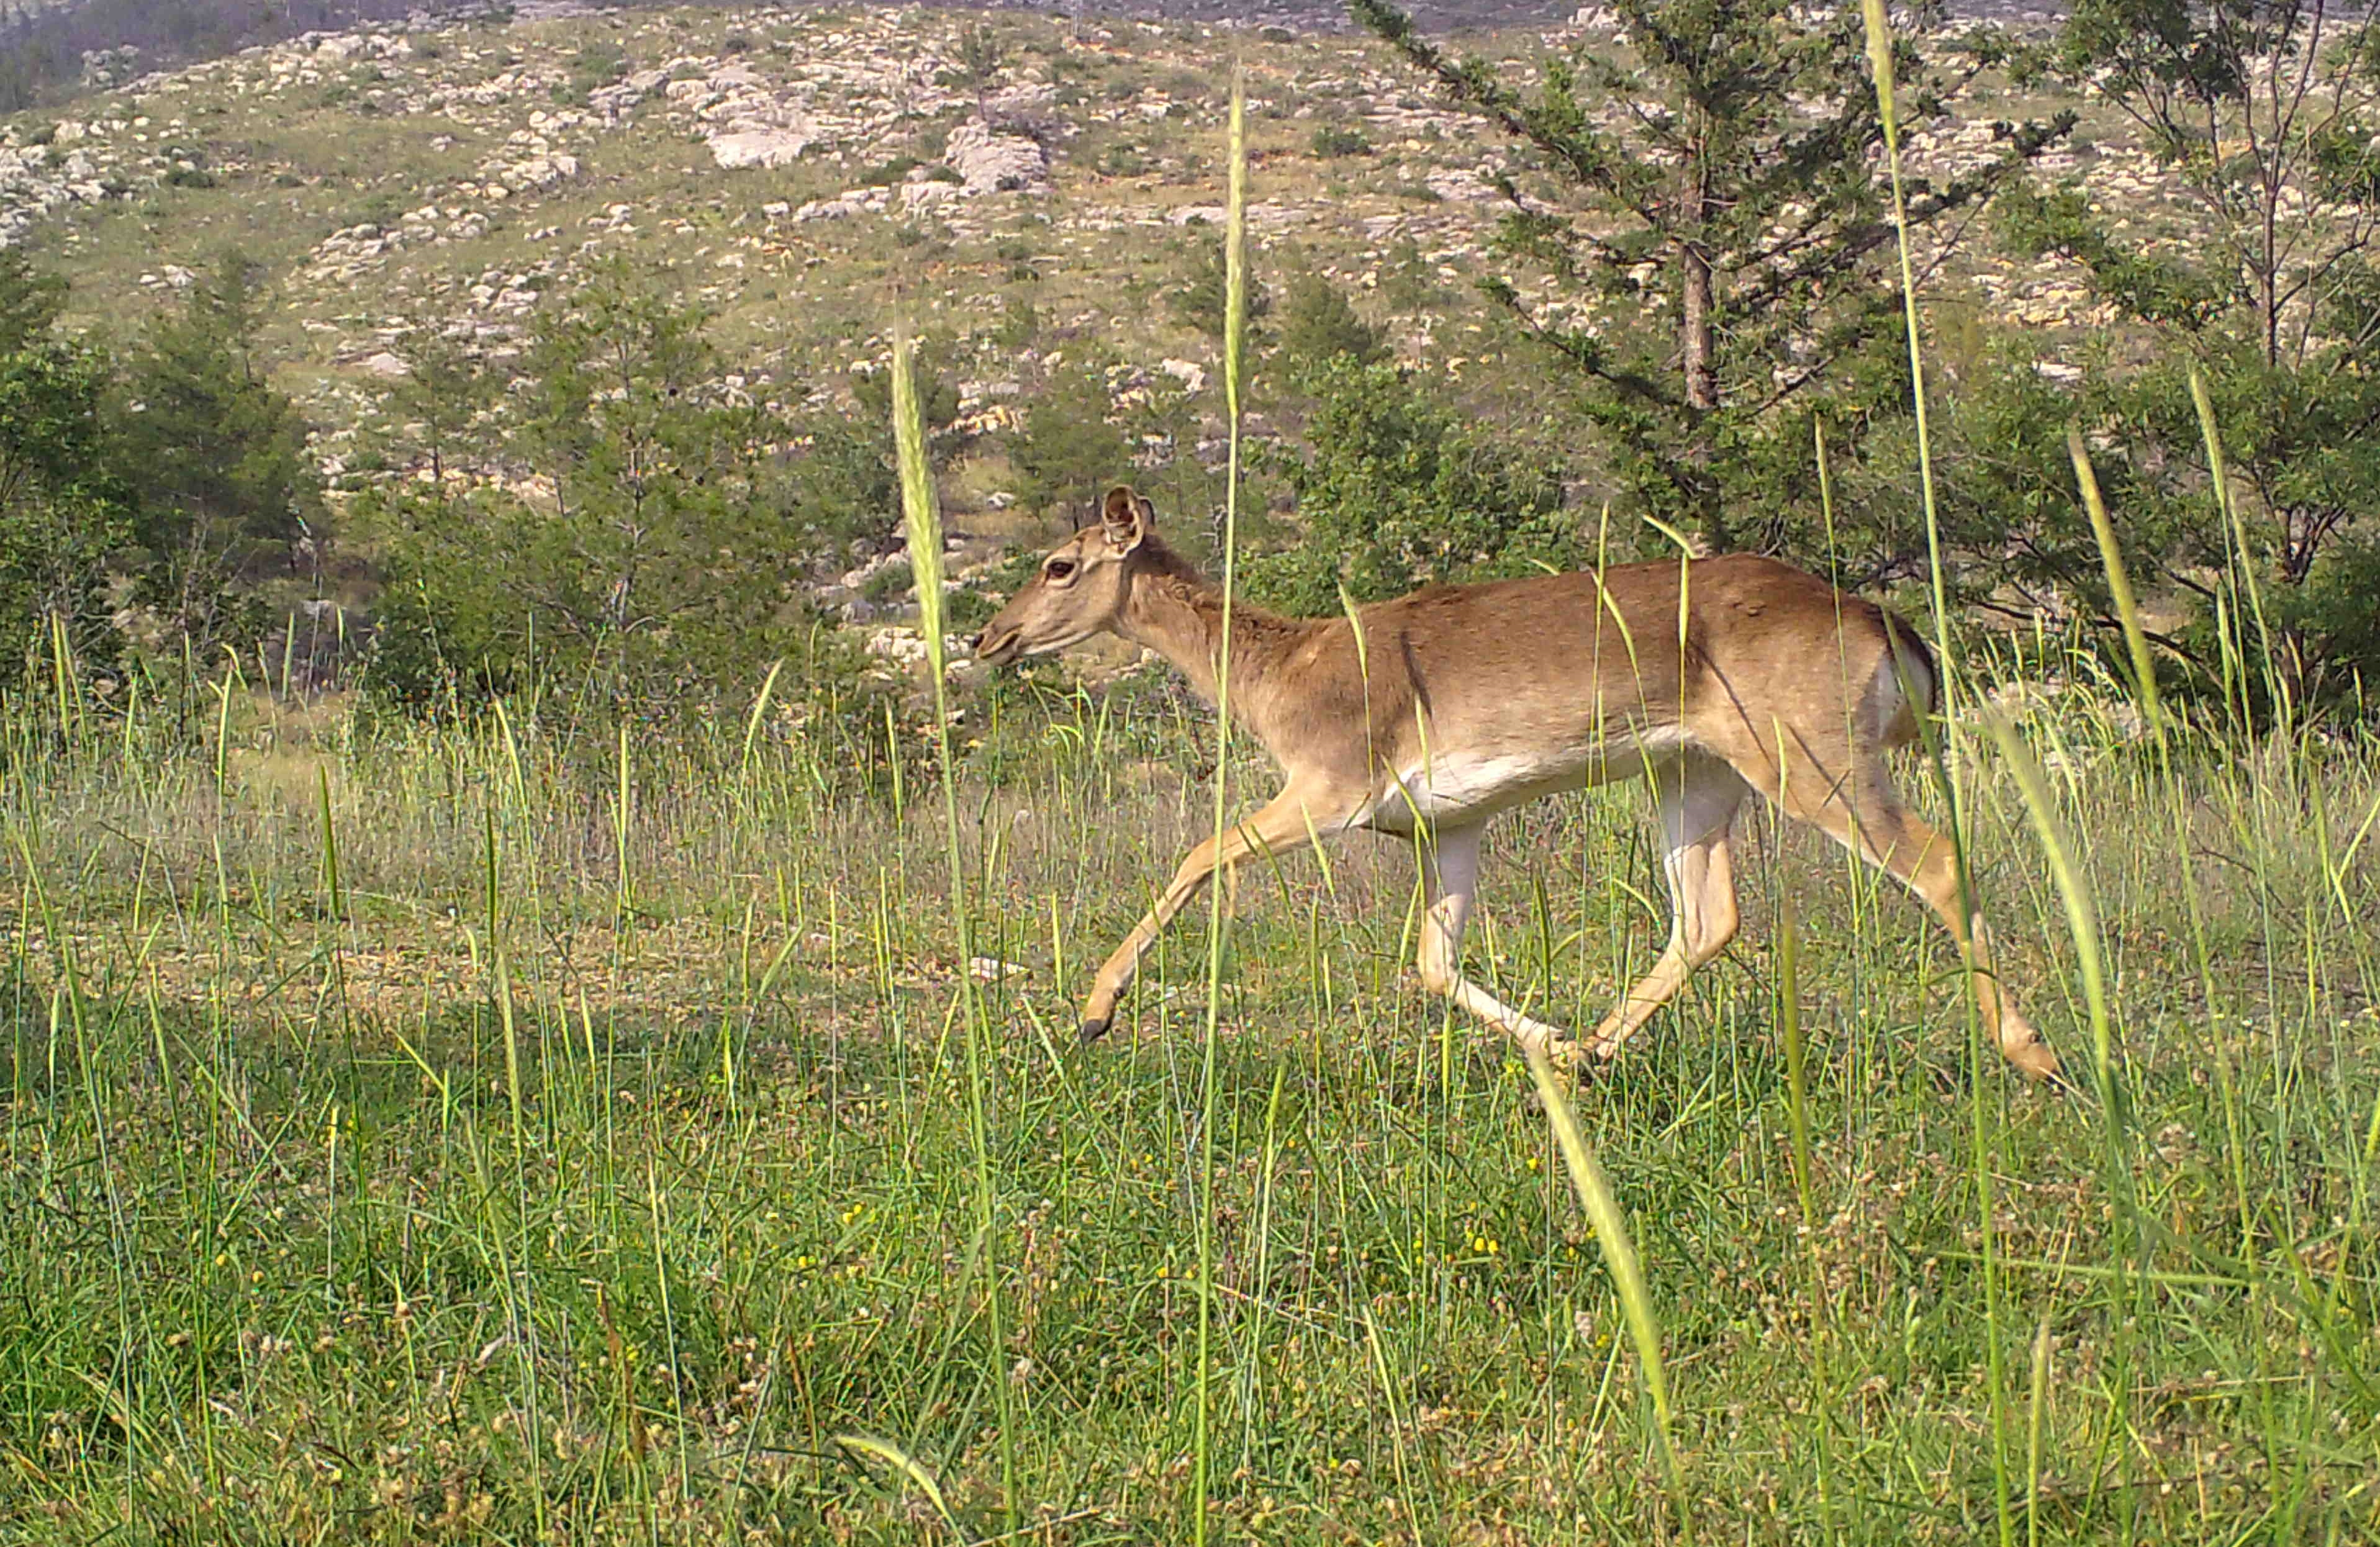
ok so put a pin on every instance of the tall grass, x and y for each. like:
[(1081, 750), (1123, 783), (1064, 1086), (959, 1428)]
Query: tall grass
[(1235, 332), (1949, 692), (712, 1310), (921, 519)]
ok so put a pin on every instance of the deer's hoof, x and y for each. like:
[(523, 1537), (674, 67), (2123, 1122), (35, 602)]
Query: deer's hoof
[(2039, 1065), (1094, 1027)]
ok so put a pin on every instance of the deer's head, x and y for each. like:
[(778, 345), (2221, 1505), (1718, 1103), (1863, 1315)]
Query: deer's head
[(1082, 586)]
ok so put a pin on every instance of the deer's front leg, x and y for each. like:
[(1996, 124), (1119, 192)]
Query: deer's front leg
[(1282, 823)]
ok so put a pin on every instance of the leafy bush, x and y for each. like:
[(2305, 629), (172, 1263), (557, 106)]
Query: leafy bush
[(64, 516), (1399, 489), (1332, 140), (2271, 298), (652, 563)]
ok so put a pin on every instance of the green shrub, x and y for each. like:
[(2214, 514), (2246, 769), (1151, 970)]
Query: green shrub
[(889, 584), (1121, 161), (1020, 323), (1199, 302), (1400, 488), (665, 567), (1318, 322), (1332, 140), (65, 516), (1068, 451)]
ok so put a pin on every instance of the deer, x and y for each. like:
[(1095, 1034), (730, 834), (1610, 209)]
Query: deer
[(1710, 679)]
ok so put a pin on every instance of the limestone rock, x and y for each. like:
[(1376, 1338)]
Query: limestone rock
[(760, 147), (991, 162), (928, 195), (1192, 375)]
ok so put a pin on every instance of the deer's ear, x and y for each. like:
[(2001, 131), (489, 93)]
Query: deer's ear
[(1127, 518)]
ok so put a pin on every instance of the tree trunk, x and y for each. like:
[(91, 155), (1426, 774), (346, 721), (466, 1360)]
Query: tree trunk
[(1698, 349)]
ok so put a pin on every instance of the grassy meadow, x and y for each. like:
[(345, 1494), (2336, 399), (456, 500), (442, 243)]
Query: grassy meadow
[(495, 1132)]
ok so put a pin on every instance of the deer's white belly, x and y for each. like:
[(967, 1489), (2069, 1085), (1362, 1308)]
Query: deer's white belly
[(1454, 787)]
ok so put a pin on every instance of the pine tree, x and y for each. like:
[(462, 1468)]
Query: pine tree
[(1707, 210), (217, 457), (64, 514)]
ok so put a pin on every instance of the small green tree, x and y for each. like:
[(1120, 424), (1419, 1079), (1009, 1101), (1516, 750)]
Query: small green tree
[(217, 456), (938, 401), (442, 403), (1200, 303), (838, 482), (652, 564), (1070, 449), (979, 59), (839, 486), (1318, 322), (1399, 489)]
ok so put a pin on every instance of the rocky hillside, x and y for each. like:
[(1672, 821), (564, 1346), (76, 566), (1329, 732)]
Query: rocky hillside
[(807, 173)]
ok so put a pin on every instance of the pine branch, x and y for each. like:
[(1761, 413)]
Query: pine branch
[(1588, 156)]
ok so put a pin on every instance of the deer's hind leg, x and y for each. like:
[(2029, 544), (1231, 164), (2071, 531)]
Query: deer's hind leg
[(1847, 792), (1698, 797), (1905, 846), (1450, 879)]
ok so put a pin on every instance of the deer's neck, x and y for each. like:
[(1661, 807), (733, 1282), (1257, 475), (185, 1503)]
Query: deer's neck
[(1181, 617)]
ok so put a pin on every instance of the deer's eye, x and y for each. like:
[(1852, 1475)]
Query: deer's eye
[(1058, 569)]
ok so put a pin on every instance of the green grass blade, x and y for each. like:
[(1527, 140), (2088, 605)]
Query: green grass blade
[(1235, 290), (1620, 1256), (2119, 584), (921, 518)]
